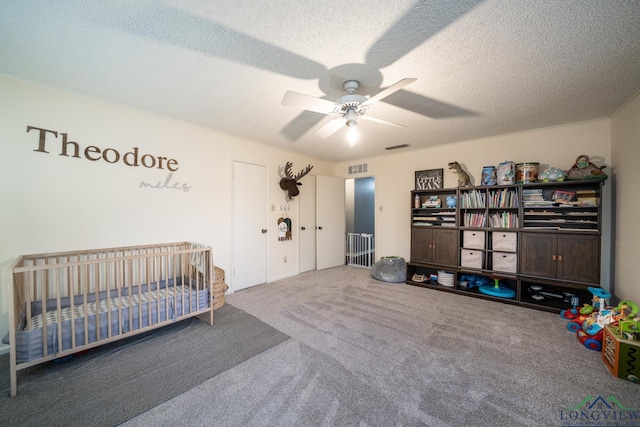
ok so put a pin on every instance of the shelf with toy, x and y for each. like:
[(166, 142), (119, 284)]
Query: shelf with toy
[(430, 276), (552, 296), (501, 288)]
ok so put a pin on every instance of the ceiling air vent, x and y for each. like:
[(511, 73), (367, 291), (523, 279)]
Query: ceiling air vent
[(395, 147), (353, 169)]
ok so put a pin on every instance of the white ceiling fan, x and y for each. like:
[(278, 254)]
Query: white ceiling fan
[(347, 110)]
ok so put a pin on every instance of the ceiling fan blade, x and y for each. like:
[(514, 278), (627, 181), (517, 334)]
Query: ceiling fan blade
[(388, 91), (330, 128), (307, 102), (384, 122)]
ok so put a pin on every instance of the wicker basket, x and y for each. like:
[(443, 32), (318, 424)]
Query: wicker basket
[(219, 288)]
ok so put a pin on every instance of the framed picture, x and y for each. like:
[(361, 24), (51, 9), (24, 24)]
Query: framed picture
[(429, 179), (562, 196)]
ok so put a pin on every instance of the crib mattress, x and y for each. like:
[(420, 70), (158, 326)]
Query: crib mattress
[(107, 317)]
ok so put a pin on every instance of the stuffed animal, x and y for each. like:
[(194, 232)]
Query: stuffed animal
[(583, 169), (552, 175), (463, 177)]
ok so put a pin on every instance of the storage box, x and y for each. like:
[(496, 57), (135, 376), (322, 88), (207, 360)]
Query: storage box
[(621, 356), (505, 261), (472, 259), (506, 242), (473, 239)]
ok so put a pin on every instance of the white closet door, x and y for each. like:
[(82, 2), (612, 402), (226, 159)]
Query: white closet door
[(330, 222), (249, 225), (307, 227)]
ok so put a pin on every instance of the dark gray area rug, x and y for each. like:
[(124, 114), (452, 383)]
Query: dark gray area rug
[(113, 383)]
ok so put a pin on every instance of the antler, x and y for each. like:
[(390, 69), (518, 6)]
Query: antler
[(287, 170), (303, 172)]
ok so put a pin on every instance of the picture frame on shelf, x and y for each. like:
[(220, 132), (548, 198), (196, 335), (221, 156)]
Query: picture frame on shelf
[(563, 196), (429, 179)]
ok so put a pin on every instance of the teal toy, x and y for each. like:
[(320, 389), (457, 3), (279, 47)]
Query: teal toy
[(497, 290)]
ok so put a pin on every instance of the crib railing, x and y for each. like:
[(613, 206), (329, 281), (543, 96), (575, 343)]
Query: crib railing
[(360, 249)]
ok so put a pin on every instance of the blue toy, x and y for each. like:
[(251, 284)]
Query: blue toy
[(497, 290)]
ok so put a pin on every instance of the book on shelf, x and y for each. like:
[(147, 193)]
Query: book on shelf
[(504, 198), (473, 199), (476, 220), (503, 220)]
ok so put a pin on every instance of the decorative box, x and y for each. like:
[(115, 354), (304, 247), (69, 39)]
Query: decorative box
[(471, 259), (506, 242), (473, 239), (505, 261), (621, 356)]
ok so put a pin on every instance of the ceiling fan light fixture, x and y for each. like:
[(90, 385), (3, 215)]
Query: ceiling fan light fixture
[(353, 135)]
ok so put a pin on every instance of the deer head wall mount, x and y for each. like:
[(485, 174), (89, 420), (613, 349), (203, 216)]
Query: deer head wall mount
[(289, 183)]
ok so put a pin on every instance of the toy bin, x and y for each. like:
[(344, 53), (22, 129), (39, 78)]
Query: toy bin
[(471, 258), (473, 239), (505, 242), (504, 261), (621, 356)]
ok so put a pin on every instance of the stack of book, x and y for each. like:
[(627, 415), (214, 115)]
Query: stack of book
[(588, 197), (533, 197), (432, 202)]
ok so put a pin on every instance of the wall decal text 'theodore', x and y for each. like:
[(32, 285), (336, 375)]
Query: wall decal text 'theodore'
[(109, 155)]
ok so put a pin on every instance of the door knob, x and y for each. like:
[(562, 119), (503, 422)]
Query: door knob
[(303, 228), (320, 228), (264, 230)]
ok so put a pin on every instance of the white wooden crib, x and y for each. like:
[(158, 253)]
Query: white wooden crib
[(67, 302)]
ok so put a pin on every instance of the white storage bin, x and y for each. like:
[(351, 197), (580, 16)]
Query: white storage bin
[(471, 259), (473, 239), (506, 242), (504, 261)]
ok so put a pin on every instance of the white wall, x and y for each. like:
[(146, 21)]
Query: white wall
[(556, 146), (53, 203), (625, 142)]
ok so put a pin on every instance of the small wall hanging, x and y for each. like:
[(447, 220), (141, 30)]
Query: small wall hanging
[(284, 224)]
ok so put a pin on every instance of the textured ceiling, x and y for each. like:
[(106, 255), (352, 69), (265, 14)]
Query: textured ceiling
[(483, 67)]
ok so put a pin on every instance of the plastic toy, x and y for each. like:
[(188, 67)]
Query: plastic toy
[(474, 281), (552, 175), (592, 342), (629, 329), (497, 290), (589, 321), (538, 293)]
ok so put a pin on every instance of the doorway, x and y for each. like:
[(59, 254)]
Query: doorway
[(360, 211)]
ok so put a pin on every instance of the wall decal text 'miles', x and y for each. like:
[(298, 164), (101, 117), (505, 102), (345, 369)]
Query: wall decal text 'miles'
[(111, 155)]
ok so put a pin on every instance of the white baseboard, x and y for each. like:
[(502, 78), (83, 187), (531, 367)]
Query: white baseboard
[(284, 276)]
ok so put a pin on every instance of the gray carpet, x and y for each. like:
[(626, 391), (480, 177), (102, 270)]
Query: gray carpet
[(115, 382), (369, 353)]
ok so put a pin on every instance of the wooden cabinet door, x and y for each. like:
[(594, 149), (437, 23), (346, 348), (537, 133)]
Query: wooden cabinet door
[(537, 254), (445, 246), (421, 249), (578, 258)]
